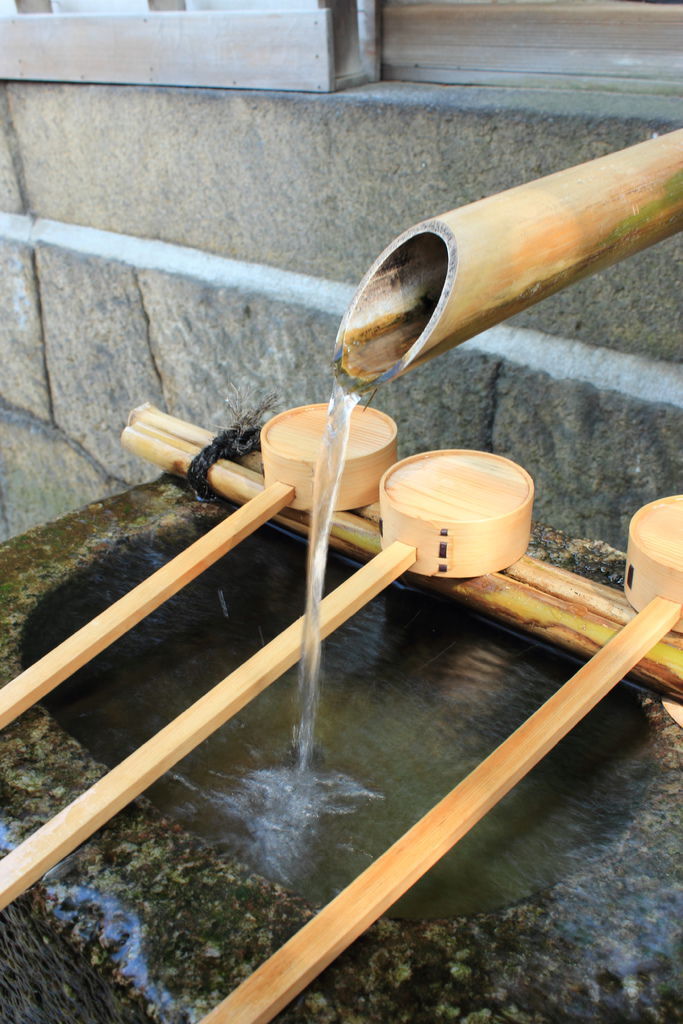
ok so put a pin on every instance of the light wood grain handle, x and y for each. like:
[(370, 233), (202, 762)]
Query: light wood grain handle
[(315, 946), (100, 632), (63, 833), (535, 597)]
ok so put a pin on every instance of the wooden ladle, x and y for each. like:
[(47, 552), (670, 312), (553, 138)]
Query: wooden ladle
[(372, 448), (498, 492), (654, 584)]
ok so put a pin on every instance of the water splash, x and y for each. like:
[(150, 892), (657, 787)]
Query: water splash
[(282, 812), (325, 490)]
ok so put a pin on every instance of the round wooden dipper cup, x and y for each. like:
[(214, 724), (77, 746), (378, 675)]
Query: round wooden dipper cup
[(291, 442), (654, 559), (429, 495), (466, 512)]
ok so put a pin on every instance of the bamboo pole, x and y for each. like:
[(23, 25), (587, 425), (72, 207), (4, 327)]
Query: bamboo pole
[(42, 677), (88, 812), (276, 982), (533, 597), (446, 279)]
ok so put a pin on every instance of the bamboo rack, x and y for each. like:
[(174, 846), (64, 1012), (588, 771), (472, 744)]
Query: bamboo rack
[(287, 972), (534, 597), (654, 582)]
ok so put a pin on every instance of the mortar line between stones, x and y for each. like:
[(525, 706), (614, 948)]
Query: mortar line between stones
[(43, 336), (148, 334), (491, 421), (26, 418), (14, 149)]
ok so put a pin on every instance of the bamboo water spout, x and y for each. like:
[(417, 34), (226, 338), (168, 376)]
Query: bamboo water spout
[(446, 279)]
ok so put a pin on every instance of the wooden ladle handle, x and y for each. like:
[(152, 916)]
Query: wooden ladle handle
[(88, 812), (56, 666), (268, 990)]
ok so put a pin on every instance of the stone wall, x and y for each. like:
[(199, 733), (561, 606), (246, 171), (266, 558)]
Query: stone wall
[(160, 244)]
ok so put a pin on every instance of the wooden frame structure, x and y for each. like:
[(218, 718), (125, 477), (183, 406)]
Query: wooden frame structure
[(609, 44), (325, 45), (301, 45)]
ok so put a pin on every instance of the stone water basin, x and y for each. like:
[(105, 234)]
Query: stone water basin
[(561, 905)]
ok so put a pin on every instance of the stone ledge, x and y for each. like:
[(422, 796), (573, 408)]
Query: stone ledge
[(24, 380), (117, 335), (321, 184)]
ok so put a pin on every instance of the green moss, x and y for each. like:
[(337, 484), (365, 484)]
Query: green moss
[(204, 923), (401, 973), (460, 972), (673, 191), (445, 1012)]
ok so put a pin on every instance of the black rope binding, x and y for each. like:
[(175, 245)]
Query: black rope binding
[(240, 438)]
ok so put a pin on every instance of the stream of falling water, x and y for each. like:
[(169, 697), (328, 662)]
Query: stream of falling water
[(326, 487)]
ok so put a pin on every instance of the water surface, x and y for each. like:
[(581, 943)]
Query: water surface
[(415, 693)]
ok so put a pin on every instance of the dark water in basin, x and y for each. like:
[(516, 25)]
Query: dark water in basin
[(415, 693)]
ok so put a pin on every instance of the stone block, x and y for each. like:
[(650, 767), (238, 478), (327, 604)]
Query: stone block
[(320, 184), (23, 382), (98, 355), (42, 475), (206, 338), (596, 456), (447, 403), (10, 192)]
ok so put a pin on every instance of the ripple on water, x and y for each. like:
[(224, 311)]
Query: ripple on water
[(415, 693)]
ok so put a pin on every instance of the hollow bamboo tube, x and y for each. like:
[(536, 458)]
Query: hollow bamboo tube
[(88, 812), (446, 279), (534, 597), (268, 990)]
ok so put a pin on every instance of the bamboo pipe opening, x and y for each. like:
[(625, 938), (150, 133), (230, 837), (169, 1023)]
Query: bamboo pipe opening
[(399, 299), (448, 278)]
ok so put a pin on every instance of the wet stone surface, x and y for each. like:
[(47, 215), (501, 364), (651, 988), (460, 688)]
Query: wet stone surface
[(172, 926)]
